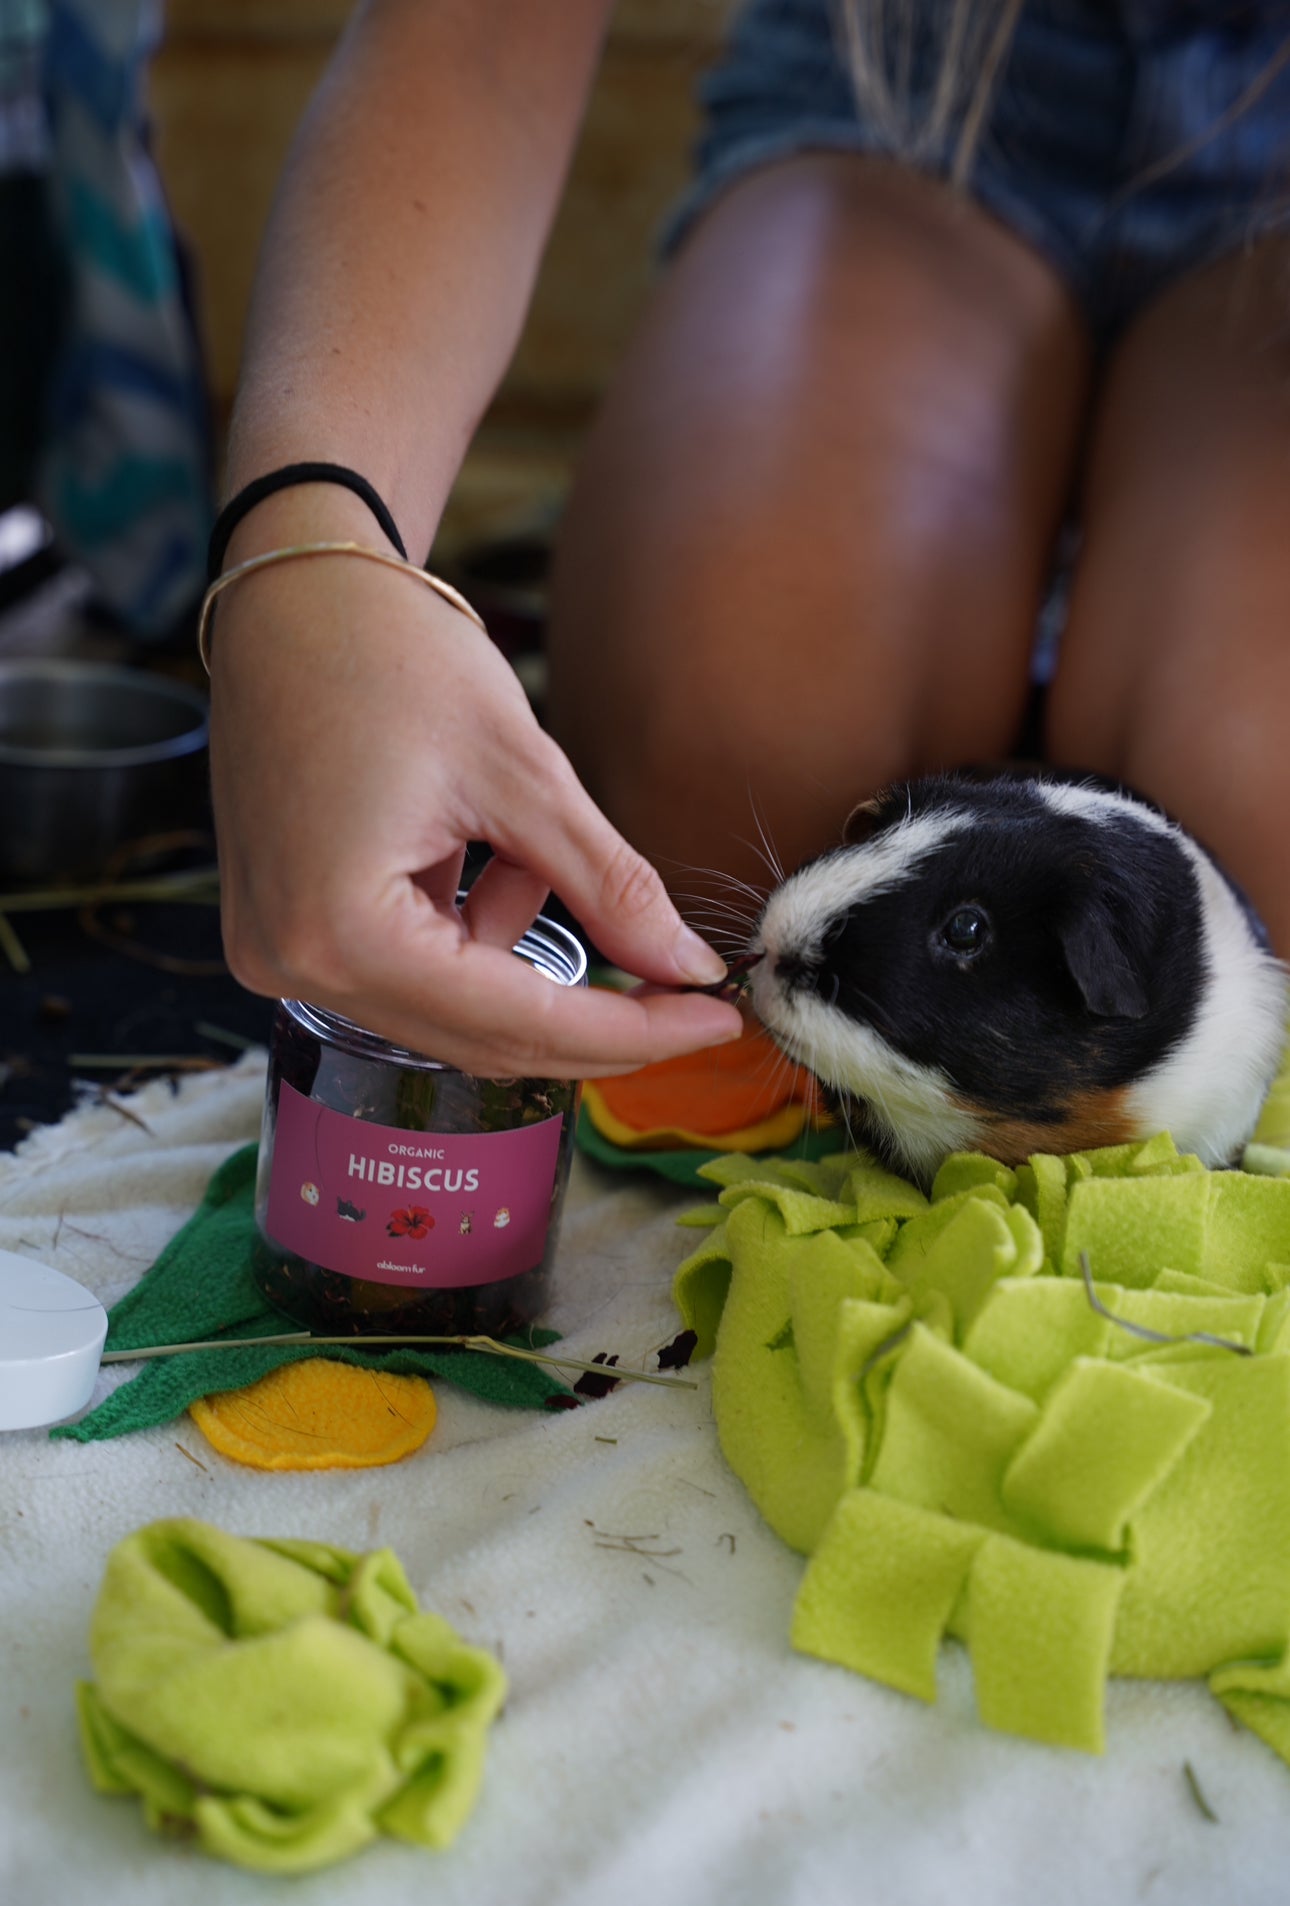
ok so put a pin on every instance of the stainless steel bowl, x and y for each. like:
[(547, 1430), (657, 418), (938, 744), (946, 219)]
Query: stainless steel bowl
[(92, 755)]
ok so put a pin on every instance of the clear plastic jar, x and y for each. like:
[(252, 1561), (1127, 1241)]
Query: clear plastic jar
[(398, 1194)]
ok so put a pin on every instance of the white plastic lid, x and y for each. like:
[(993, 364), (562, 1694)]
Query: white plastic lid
[(51, 1337)]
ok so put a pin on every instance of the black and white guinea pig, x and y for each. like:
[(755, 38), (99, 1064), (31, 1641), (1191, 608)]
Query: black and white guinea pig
[(1020, 963)]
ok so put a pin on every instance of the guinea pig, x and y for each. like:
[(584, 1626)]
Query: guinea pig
[(1019, 963)]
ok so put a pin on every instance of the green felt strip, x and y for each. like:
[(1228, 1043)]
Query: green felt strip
[(1028, 1332), (793, 1422), (700, 1288), (1050, 1180), (970, 1171), (801, 1212), (1249, 1223), (950, 1433), (1274, 1323), (1273, 1127), (879, 1194), (1181, 1314), (1268, 1716), (702, 1217), (917, 1237), (879, 1589), (1133, 1228), (823, 1177), (1268, 1161), (1039, 1628), (1107, 1439), (878, 1233), (965, 1245), (1211, 1576)]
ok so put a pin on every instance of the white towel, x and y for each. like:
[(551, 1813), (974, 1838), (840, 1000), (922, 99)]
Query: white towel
[(662, 1746)]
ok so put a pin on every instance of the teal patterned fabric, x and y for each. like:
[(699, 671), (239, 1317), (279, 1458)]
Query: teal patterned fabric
[(125, 477)]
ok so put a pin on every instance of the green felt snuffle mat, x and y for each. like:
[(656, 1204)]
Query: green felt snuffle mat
[(1045, 1411)]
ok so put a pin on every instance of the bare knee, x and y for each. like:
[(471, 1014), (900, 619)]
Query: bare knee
[(812, 524)]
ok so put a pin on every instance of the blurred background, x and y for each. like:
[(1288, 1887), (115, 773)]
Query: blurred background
[(140, 143), (95, 92)]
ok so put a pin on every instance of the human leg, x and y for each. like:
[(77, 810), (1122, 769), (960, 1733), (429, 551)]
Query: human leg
[(1175, 665), (813, 523)]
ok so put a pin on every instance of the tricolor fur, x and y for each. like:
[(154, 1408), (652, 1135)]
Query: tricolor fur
[(1120, 985)]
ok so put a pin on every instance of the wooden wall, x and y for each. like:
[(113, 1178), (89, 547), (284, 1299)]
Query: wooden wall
[(228, 88)]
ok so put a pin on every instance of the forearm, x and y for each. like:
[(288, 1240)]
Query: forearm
[(402, 248)]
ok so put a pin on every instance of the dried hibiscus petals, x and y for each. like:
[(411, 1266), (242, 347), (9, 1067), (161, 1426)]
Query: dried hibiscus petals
[(591, 1384)]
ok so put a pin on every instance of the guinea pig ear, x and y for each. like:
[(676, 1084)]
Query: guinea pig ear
[(863, 821), (1108, 972)]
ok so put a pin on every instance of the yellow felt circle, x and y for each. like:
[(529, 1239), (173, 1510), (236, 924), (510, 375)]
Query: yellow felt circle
[(319, 1415)]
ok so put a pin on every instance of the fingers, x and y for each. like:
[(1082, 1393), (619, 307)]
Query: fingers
[(614, 891), (341, 828), (442, 882), (478, 1007), (503, 903)]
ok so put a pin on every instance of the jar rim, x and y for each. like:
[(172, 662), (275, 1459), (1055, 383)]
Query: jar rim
[(547, 946)]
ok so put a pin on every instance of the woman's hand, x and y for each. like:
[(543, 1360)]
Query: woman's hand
[(363, 731)]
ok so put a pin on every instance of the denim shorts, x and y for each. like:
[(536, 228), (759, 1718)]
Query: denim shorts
[(1128, 141)]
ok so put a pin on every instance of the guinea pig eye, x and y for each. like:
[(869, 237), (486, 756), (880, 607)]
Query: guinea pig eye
[(966, 931)]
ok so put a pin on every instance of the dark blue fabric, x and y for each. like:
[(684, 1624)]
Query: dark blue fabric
[(1120, 140)]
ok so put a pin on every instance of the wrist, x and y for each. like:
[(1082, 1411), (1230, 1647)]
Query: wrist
[(413, 486), (291, 476), (307, 512)]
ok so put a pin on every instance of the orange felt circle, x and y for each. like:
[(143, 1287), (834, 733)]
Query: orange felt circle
[(721, 1089), (318, 1414)]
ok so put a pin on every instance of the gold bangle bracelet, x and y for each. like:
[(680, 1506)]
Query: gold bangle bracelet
[(289, 554)]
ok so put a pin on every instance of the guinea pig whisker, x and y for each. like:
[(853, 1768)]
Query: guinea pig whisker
[(718, 907), (834, 1071), (844, 1107), (730, 942), (770, 856), (716, 922), (773, 1067), (722, 879), (713, 897), (700, 908), (764, 851), (777, 878), (879, 1019)]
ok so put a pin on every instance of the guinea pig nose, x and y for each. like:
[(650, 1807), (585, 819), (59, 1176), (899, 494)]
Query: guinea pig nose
[(792, 969)]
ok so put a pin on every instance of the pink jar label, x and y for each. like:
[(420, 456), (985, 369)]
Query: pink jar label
[(436, 1209)]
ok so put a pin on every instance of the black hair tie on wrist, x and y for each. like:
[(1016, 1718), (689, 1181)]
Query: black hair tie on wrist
[(285, 479)]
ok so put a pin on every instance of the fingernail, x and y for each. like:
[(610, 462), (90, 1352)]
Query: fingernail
[(697, 961)]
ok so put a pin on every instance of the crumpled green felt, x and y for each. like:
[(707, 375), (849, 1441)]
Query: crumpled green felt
[(201, 1286), (924, 1399), (282, 1702)]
